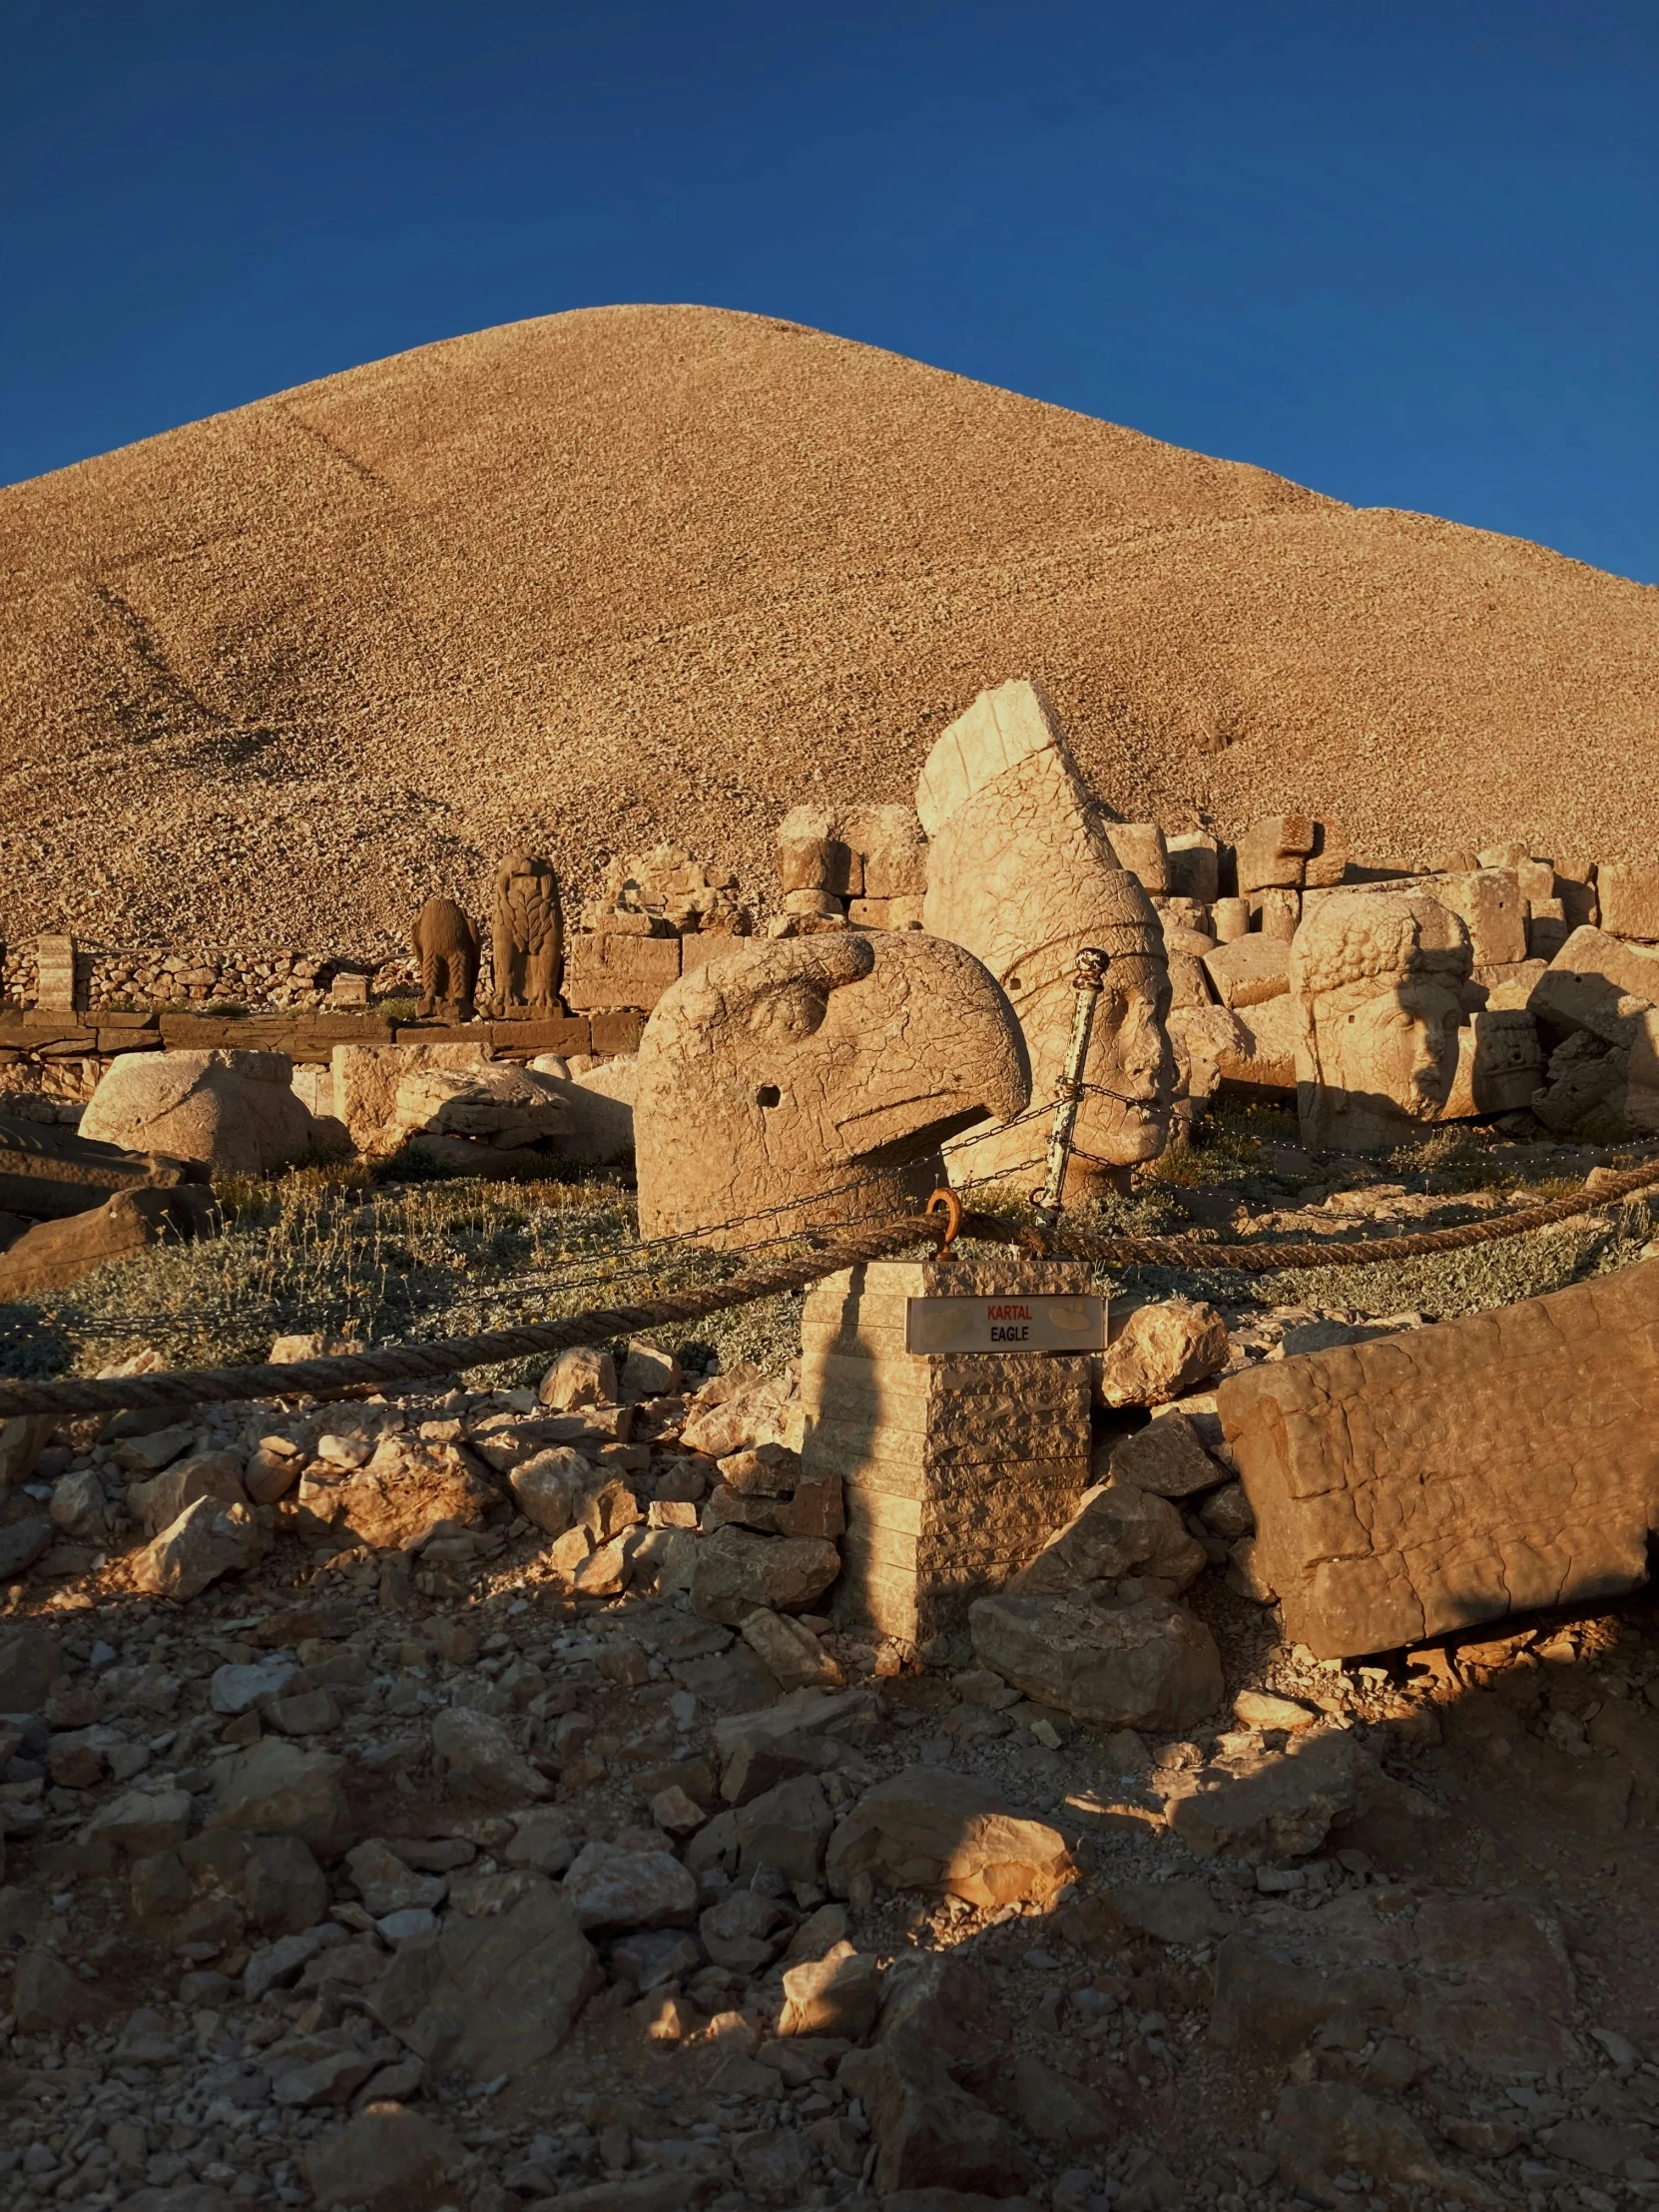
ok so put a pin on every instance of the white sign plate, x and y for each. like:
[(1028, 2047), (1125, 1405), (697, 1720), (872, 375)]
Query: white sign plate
[(1015, 1321)]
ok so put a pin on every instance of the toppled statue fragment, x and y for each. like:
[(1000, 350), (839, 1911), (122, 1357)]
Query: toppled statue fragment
[(810, 1081), (1427, 1481), (1021, 871), (1385, 1045)]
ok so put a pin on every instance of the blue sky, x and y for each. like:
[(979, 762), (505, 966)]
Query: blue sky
[(1406, 253)]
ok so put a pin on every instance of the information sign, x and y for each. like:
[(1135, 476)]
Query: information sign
[(1015, 1321)]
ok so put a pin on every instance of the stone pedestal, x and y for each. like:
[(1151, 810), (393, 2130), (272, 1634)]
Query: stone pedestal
[(958, 1466)]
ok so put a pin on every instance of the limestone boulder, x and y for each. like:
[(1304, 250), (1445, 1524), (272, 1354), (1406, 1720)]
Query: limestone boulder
[(50, 1999), (209, 1539), (612, 1887), (275, 1788), (553, 1489), (837, 1995), (397, 1497), (1166, 1458), (22, 1440), (235, 1112), (930, 2135), (808, 1732), (386, 1885), (1259, 1804), (736, 1571), (1117, 1533), (786, 1827), (54, 1254), (743, 1411), (1143, 1663), (1436, 1478), (157, 1505), (142, 1822), (1250, 970), (386, 2159), (475, 1752), (500, 1106), (928, 1829), (1324, 2128), (584, 1375), (31, 1665), (791, 1653), (48, 1173), (366, 1079), (22, 1542), (79, 1508), (1162, 1352), (514, 1983), (598, 1107)]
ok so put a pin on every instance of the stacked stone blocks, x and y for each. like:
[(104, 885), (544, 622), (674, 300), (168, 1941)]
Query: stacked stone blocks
[(956, 1468)]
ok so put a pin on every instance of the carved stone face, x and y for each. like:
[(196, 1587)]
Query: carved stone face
[(795, 1068), (1128, 1054), (1399, 1042), (1021, 873), (1377, 979)]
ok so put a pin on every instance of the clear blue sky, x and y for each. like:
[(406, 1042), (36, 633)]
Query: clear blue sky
[(1406, 253)]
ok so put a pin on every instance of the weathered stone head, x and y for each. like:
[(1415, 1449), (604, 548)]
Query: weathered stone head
[(1021, 871), (794, 1067), (1375, 979)]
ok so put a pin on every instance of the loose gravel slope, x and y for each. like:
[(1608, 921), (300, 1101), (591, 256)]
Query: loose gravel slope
[(635, 573)]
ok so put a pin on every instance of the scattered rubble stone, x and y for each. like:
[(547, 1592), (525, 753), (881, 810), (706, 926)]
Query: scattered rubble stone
[(1140, 1662)]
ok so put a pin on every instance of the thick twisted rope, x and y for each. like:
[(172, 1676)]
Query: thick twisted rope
[(1268, 1258), (187, 1387), (444, 1355)]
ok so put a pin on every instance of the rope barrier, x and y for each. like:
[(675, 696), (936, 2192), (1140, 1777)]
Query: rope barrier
[(187, 1387), (1268, 1258), (332, 1375)]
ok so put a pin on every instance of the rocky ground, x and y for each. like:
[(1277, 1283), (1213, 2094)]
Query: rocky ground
[(454, 1800)]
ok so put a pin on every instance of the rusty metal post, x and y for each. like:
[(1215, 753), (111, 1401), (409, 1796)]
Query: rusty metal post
[(1088, 981)]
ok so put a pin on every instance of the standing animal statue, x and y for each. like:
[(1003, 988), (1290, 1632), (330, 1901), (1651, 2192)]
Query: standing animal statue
[(527, 936), (446, 946)]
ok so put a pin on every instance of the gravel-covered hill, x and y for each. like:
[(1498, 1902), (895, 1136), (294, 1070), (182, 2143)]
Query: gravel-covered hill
[(654, 572)]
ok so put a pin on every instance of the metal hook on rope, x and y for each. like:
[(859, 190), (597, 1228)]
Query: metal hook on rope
[(950, 1206)]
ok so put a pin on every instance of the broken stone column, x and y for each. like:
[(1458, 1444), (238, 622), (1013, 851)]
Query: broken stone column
[(1425, 1481), (958, 1466)]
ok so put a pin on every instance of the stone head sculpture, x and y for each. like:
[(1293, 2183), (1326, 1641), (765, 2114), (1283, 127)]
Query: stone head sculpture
[(1021, 873), (801, 1067), (527, 936), (1375, 983)]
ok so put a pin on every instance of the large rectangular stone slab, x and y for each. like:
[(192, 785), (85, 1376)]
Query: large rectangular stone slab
[(1598, 982), (1426, 1482), (1629, 896), (616, 970)]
